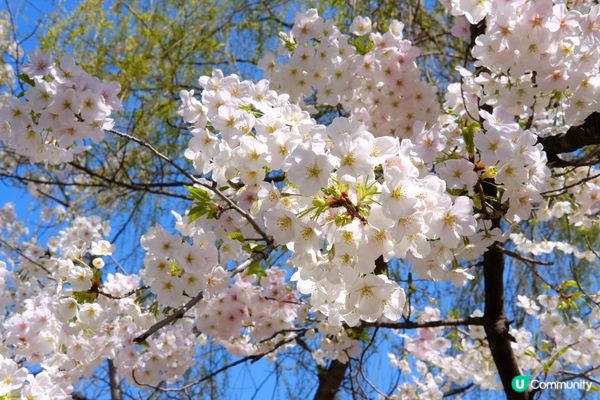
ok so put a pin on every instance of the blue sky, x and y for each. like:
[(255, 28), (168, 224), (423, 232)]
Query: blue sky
[(244, 379)]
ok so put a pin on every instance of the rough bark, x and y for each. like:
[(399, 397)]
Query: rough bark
[(114, 381), (330, 380), (575, 138), (495, 323)]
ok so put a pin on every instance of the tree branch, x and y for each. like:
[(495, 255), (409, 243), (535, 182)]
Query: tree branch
[(187, 306), (26, 257), (524, 259), (428, 324), (213, 188), (575, 138), (115, 382), (496, 324), (171, 318), (459, 390), (330, 380)]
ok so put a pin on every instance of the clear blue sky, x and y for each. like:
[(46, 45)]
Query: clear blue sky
[(245, 379)]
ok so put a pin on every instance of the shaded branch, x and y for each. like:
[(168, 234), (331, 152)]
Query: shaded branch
[(180, 312), (212, 187), (114, 381), (169, 319), (25, 256), (496, 324), (428, 324), (330, 380), (459, 390), (522, 258), (575, 138)]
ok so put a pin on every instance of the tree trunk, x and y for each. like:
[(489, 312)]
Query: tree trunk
[(330, 380), (495, 322), (114, 381)]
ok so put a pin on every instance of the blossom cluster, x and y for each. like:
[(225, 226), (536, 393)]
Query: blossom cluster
[(539, 57), (59, 319), (561, 344), (7, 46), (246, 315), (576, 194), (348, 197), (167, 356), (175, 269), (237, 310), (502, 144), (372, 75), (18, 379), (62, 109), (524, 245), (517, 160), (344, 169), (70, 336)]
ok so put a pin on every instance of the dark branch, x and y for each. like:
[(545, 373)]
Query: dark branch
[(170, 319), (575, 138), (114, 381), (459, 390), (428, 324), (496, 324), (330, 380)]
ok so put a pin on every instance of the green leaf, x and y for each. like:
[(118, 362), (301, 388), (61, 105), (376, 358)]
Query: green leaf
[(176, 270), (490, 172), (453, 336), (469, 134), (251, 109), (97, 275), (198, 211), (236, 236), (154, 309), (530, 353), (255, 269), (569, 283), (85, 297), (343, 219), (253, 247), (199, 194), (362, 44), (25, 78)]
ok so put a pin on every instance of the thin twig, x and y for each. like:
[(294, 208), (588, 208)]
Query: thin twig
[(192, 302), (25, 256), (251, 358), (171, 318), (519, 257), (428, 324), (213, 188)]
